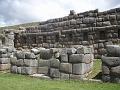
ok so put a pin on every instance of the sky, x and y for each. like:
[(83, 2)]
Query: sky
[(14, 12)]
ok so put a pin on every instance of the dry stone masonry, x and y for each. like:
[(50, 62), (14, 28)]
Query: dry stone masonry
[(111, 64), (88, 28), (57, 63)]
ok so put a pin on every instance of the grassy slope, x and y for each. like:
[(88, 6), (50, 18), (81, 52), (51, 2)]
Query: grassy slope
[(19, 82)]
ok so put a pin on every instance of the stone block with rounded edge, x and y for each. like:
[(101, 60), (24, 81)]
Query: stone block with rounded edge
[(66, 68), (54, 63)]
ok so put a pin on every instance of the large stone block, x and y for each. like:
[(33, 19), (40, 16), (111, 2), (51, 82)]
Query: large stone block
[(43, 63), (30, 63), (54, 63), (4, 66), (43, 70), (3, 51), (106, 78), (20, 55), (13, 69), (46, 54), (115, 70), (4, 55), (77, 77), (79, 69), (29, 55), (20, 62), (13, 60), (28, 70), (111, 61), (80, 58), (19, 70), (66, 68), (54, 73), (64, 57), (105, 69), (84, 50), (4, 60), (113, 50), (64, 76)]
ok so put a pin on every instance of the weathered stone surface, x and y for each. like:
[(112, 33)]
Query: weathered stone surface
[(84, 50), (64, 57), (46, 54), (79, 69), (80, 58), (105, 69), (64, 76), (3, 51), (28, 70), (42, 63), (77, 77), (43, 70), (111, 61), (30, 55), (20, 55), (19, 70), (113, 50), (4, 55), (106, 78), (54, 63), (54, 73), (13, 69), (30, 63), (66, 67), (115, 70), (20, 62), (13, 60), (4, 60)]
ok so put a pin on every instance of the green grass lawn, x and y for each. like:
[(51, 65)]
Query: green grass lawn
[(20, 82)]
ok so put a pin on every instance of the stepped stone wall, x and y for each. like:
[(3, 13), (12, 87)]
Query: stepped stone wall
[(88, 28), (57, 63), (111, 64)]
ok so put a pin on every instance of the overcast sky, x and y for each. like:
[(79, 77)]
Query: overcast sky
[(22, 11)]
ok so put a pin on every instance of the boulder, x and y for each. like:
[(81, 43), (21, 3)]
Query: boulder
[(54, 63), (54, 73), (4, 60), (66, 68)]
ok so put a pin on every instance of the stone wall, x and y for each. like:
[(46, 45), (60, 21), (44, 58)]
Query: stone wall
[(111, 64), (88, 28), (57, 63)]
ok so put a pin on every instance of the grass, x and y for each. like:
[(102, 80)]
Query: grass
[(10, 81)]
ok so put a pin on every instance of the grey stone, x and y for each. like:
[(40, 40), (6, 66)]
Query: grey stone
[(84, 50), (111, 61), (105, 69), (28, 70), (3, 51), (64, 57), (43, 70), (4, 67), (46, 54), (66, 68), (20, 55), (20, 62), (30, 55), (14, 69), (54, 73), (77, 77), (4, 55), (106, 78), (80, 58), (30, 63), (43, 63), (4, 60), (64, 76), (19, 70), (115, 70), (13, 60), (54, 63), (79, 69)]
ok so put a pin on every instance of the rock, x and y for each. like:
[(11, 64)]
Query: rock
[(64, 58), (66, 68), (20, 55), (84, 50), (54, 63), (29, 55), (14, 69), (79, 69), (3, 51), (13, 60), (80, 58), (43, 63), (4, 61), (111, 61), (105, 69), (28, 70), (30, 63), (54, 73), (46, 54), (115, 70), (64, 76), (106, 78), (20, 62), (43, 70), (19, 70)]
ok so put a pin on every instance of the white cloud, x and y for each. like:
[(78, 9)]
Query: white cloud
[(22, 11)]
